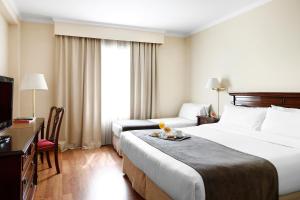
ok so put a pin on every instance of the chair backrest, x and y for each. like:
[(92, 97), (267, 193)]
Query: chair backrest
[(54, 123)]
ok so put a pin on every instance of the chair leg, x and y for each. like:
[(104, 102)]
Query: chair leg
[(42, 157), (48, 159), (56, 161)]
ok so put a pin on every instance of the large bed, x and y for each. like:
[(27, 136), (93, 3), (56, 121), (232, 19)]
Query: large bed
[(156, 175)]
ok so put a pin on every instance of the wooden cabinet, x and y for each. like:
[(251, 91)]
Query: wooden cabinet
[(18, 161)]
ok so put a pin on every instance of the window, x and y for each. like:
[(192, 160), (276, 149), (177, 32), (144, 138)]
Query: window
[(115, 82)]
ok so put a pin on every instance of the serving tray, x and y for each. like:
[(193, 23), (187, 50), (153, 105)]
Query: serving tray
[(172, 138)]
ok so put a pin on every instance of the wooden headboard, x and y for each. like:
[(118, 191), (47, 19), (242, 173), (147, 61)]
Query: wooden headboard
[(266, 99)]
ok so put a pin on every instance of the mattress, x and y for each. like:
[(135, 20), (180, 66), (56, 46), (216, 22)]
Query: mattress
[(180, 181)]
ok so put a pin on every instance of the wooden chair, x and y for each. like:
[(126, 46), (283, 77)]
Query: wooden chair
[(50, 143)]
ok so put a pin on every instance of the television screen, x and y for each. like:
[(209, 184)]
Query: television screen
[(6, 101)]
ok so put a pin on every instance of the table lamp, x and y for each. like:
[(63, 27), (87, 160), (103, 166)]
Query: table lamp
[(34, 81)]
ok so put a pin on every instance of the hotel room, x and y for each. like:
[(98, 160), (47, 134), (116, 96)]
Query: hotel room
[(155, 100)]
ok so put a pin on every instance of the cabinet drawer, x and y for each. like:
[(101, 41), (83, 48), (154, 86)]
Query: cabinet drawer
[(28, 157), (30, 192), (27, 180)]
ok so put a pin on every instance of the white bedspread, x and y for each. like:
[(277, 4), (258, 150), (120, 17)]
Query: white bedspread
[(182, 182), (175, 122)]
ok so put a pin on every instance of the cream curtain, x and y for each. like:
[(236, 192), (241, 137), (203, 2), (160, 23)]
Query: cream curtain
[(78, 89), (143, 80)]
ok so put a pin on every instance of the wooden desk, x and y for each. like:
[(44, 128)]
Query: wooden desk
[(18, 161)]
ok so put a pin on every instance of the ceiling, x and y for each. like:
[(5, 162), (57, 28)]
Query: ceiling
[(178, 17)]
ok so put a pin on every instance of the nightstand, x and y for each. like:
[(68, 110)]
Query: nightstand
[(206, 120)]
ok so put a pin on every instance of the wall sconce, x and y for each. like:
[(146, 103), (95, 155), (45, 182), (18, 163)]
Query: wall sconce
[(214, 84)]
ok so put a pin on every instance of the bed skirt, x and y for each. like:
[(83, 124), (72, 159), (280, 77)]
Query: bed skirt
[(147, 189), (141, 183), (117, 145)]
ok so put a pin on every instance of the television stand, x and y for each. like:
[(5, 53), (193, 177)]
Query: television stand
[(18, 160)]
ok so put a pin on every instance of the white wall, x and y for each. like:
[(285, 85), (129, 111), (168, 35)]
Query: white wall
[(256, 51), (3, 46)]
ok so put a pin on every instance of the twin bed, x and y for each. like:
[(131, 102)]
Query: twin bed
[(156, 174), (187, 117)]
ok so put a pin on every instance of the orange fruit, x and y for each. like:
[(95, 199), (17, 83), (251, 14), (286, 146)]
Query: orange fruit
[(161, 125)]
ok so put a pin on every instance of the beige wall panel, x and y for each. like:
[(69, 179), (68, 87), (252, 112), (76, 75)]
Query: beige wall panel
[(256, 51), (172, 77), (3, 46), (37, 56), (14, 42)]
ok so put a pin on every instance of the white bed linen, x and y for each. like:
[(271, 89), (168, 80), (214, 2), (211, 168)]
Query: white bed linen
[(176, 122), (182, 182), (116, 129)]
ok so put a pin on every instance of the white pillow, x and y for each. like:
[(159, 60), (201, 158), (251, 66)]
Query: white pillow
[(286, 109), (191, 110), (245, 118), (282, 123)]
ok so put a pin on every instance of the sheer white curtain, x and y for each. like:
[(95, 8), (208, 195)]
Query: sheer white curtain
[(115, 85)]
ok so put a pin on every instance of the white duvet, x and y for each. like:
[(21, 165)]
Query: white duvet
[(180, 181), (175, 122)]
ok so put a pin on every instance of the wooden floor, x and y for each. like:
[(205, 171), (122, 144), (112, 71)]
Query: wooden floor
[(85, 175)]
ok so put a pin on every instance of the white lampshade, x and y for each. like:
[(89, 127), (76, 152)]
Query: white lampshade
[(34, 81), (212, 83)]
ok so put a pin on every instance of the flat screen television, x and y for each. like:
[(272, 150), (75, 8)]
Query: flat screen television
[(6, 101)]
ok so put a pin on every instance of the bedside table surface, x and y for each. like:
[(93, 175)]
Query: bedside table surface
[(206, 120)]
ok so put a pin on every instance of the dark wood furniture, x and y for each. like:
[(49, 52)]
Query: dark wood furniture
[(206, 120), (266, 99), (18, 161), (50, 143)]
